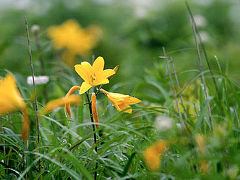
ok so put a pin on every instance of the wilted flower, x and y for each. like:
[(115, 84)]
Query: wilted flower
[(11, 100), (74, 39), (121, 101), (93, 75), (153, 154)]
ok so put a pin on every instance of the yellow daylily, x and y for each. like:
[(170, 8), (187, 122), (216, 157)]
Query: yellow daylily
[(50, 106), (121, 101), (11, 100), (93, 75), (152, 154), (74, 39)]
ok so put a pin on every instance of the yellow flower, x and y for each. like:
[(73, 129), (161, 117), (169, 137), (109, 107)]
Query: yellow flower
[(11, 100), (93, 75), (50, 106), (152, 154), (72, 37), (94, 109), (121, 101)]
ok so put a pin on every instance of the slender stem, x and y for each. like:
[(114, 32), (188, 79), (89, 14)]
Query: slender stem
[(235, 112), (202, 46), (173, 88), (93, 127), (179, 89), (37, 42), (200, 65), (35, 90)]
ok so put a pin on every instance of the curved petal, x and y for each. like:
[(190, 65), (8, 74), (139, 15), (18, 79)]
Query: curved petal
[(108, 72), (84, 87), (98, 64), (67, 106), (105, 81), (84, 70)]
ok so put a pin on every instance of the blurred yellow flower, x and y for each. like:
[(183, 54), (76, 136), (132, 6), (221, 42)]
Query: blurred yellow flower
[(94, 109), (121, 101), (189, 96), (72, 37), (11, 100), (93, 75), (50, 106), (152, 154)]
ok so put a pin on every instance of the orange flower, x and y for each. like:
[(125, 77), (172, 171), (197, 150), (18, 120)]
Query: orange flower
[(11, 100), (152, 154), (94, 109), (121, 101)]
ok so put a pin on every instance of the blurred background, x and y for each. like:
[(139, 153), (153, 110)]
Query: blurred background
[(133, 33)]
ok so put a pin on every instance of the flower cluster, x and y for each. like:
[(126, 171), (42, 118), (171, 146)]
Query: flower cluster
[(74, 39), (96, 75)]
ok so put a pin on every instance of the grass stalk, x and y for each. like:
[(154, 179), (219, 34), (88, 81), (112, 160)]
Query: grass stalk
[(93, 127), (42, 66), (173, 88), (200, 65), (35, 90), (179, 89), (202, 45)]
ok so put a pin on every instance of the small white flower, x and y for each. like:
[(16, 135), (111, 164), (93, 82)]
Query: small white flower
[(37, 80), (140, 12), (204, 36), (200, 20), (163, 122)]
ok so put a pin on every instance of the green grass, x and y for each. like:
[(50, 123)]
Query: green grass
[(67, 148)]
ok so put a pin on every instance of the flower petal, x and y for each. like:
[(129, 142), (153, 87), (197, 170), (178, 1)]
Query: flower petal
[(84, 87), (67, 106), (108, 72), (98, 64), (84, 70), (124, 106), (105, 81), (133, 100)]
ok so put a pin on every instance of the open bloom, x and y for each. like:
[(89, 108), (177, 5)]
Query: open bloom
[(11, 100), (93, 75), (121, 101), (74, 39), (152, 154)]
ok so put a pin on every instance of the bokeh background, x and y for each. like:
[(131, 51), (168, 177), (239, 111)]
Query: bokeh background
[(134, 33)]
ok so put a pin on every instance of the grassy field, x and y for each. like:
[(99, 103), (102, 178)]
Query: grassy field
[(154, 94)]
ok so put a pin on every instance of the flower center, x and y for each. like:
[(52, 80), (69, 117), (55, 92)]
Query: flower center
[(93, 77)]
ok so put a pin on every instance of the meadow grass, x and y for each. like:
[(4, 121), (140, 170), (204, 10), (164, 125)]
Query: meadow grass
[(198, 119)]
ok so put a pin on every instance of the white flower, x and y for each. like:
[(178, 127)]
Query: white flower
[(163, 122), (37, 80), (200, 20)]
